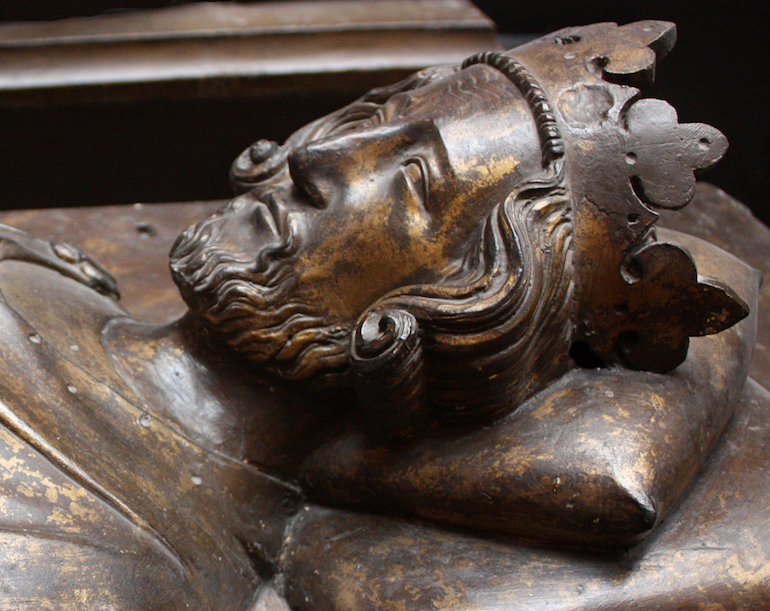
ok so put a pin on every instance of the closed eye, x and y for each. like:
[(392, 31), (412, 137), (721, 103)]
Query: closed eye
[(416, 176)]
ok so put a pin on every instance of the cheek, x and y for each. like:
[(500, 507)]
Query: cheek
[(356, 261), (409, 221), (463, 212)]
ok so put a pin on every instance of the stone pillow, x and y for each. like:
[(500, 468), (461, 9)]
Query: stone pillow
[(595, 460)]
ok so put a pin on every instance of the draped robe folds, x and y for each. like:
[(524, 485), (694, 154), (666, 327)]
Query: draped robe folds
[(102, 503)]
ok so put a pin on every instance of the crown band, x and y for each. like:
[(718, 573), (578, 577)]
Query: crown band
[(551, 143)]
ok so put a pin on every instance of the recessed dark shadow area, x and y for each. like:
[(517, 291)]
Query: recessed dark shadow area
[(585, 358), (146, 151)]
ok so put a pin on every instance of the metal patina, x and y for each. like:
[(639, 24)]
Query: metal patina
[(436, 354)]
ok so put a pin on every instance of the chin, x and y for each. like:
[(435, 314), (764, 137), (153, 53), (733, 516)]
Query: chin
[(250, 301)]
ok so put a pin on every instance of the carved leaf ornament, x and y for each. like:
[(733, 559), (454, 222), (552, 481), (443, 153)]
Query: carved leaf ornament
[(662, 155), (639, 300)]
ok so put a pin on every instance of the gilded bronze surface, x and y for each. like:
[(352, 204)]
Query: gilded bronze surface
[(437, 356)]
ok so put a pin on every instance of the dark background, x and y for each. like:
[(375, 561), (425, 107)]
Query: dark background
[(181, 150)]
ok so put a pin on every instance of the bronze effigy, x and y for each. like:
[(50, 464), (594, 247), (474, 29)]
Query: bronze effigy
[(438, 354)]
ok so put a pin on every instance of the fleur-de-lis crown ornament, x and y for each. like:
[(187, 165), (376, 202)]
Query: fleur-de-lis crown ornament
[(638, 300)]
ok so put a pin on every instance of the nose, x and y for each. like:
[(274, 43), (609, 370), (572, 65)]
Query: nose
[(313, 172)]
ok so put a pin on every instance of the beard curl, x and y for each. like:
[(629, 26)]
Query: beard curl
[(249, 302)]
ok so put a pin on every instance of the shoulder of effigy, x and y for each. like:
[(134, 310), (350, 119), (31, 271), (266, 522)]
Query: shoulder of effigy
[(32, 288), (40, 307), (39, 499), (44, 573), (52, 570)]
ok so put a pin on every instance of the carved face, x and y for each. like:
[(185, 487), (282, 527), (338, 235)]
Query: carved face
[(396, 198)]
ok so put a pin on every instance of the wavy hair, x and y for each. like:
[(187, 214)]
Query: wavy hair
[(487, 338), (472, 347)]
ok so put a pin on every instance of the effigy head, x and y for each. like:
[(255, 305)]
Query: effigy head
[(446, 242)]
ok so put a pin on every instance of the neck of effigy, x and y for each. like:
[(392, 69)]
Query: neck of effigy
[(187, 377)]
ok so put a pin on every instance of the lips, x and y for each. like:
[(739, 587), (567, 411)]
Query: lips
[(263, 217), (271, 211)]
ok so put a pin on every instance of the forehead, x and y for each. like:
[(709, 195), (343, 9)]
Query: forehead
[(482, 118), (478, 89)]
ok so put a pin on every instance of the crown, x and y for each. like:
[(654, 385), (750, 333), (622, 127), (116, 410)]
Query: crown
[(638, 300)]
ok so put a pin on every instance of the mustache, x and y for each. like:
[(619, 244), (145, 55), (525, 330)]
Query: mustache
[(197, 261), (249, 299)]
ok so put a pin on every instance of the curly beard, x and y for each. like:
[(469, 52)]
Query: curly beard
[(249, 301)]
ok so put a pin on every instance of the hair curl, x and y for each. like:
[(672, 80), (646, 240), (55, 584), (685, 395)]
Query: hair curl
[(490, 337), (476, 345)]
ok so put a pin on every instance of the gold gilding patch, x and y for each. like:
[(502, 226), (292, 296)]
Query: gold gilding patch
[(657, 401), (585, 146), (551, 404), (484, 172)]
